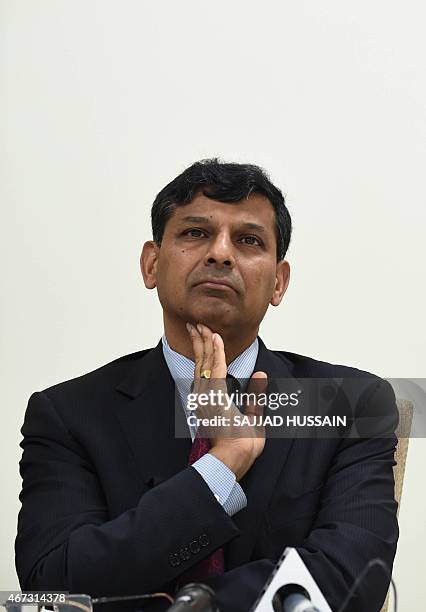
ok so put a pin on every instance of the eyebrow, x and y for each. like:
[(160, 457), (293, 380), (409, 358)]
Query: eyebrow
[(246, 224), (196, 219)]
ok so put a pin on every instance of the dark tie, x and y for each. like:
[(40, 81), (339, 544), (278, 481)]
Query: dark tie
[(213, 565)]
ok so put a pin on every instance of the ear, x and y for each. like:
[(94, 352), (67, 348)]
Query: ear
[(281, 282), (148, 263)]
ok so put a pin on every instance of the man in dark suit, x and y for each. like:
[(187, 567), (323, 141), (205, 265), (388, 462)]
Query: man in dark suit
[(114, 503)]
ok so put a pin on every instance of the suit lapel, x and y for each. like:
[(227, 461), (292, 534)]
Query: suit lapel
[(148, 419)]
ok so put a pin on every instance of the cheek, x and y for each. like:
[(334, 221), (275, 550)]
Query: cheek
[(261, 283), (172, 271)]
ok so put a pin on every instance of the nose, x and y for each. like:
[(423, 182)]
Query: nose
[(220, 252)]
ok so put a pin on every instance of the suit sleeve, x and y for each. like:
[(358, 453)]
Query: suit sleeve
[(356, 523), (65, 539)]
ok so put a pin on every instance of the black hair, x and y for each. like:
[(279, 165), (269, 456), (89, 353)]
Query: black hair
[(225, 182)]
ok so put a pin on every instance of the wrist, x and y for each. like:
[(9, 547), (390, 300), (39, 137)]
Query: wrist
[(235, 460)]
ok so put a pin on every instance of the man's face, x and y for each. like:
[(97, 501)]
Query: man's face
[(206, 243)]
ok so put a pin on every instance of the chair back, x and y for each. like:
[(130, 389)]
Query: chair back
[(405, 409)]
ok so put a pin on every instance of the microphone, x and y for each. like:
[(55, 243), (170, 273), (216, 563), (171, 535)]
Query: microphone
[(291, 588), (194, 597), (293, 598)]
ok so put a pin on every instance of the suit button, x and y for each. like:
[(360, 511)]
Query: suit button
[(204, 540), (194, 547), (174, 560), (185, 554)]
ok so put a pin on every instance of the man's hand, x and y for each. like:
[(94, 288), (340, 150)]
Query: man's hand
[(237, 446)]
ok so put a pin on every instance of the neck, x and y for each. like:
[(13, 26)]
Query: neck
[(235, 343)]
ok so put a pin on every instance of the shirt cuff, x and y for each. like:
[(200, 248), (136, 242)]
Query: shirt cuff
[(222, 483)]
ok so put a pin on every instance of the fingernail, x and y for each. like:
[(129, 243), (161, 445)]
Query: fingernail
[(189, 327), (200, 328)]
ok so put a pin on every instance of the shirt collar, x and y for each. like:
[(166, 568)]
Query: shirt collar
[(182, 367)]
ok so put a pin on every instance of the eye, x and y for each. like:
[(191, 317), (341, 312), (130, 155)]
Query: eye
[(252, 240), (194, 233)]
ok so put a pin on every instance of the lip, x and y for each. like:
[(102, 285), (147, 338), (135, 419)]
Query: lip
[(216, 284)]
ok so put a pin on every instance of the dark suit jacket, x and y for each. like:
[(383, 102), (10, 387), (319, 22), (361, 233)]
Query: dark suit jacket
[(110, 505)]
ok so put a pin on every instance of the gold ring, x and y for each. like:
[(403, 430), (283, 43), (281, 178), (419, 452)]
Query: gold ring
[(206, 374)]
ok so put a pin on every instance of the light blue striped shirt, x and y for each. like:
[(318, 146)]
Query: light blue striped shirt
[(217, 475)]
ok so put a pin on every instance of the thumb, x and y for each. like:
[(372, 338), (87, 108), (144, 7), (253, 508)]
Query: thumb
[(258, 384)]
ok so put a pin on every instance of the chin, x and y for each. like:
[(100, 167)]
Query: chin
[(216, 318)]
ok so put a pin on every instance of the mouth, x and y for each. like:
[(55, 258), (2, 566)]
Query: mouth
[(222, 285)]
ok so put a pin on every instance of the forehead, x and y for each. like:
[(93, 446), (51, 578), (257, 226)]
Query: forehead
[(254, 209)]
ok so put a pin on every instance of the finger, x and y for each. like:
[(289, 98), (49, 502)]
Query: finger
[(197, 347), (258, 384), (207, 338), (219, 368), (207, 361)]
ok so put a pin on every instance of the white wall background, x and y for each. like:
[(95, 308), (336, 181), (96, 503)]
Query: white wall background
[(103, 102)]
